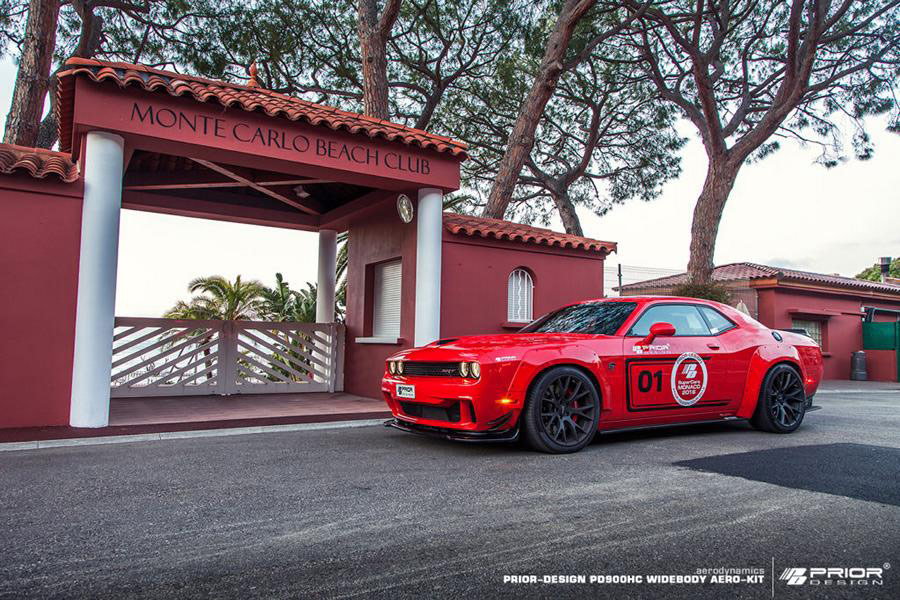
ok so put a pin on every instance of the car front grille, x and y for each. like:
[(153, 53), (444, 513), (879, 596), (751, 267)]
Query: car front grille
[(431, 369), (430, 411)]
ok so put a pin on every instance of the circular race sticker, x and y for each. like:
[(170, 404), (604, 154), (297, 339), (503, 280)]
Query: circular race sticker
[(688, 379)]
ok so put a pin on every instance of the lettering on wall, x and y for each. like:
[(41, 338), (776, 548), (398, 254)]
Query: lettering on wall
[(277, 138)]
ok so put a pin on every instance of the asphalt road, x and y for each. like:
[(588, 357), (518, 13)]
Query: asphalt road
[(371, 512)]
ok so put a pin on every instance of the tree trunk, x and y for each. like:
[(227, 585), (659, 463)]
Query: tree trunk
[(521, 138), (567, 213), (373, 37), (24, 118), (720, 176), (89, 40)]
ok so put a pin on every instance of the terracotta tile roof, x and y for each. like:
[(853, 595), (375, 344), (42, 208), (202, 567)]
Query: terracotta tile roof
[(37, 162), (750, 271), (515, 232), (246, 97)]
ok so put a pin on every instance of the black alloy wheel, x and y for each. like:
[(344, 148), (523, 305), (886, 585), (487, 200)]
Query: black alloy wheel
[(782, 401), (562, 411)]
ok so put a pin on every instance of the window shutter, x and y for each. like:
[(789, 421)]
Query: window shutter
[(519, 297), (386, 309)]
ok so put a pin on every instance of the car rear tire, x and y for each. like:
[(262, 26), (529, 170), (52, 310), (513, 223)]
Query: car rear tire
[(561, 412), (782, 401)]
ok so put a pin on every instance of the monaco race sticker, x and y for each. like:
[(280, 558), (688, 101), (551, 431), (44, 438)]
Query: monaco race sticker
[(689, 379)]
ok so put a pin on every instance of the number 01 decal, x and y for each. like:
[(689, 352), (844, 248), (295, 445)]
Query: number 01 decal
[(689, 379)]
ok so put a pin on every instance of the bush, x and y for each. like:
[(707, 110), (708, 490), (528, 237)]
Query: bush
[(709, 291)]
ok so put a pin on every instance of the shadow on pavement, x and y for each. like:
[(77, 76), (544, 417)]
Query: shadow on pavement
[(856, 471)]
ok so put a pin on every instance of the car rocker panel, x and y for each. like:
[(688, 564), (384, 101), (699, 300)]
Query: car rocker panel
[(604, 365)]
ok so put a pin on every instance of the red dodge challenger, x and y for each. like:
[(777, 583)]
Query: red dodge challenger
[(604, 365)]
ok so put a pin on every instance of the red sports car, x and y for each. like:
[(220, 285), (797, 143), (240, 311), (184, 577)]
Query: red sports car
[(603, 365)]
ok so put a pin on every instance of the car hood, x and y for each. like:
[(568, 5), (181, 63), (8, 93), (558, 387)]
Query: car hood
[(508, 345)]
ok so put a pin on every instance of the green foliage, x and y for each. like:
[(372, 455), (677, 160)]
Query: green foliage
[(12, 23), (842, 73), (603, 138), (709, 291), (218, 298), (873, 273)]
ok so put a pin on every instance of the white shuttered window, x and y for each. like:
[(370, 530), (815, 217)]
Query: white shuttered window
[(518, 300), (386, 309)]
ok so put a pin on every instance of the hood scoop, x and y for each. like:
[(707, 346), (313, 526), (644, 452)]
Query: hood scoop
[(446, 341)]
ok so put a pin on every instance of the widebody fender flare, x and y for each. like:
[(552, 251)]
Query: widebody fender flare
[(762, 360), (539, 360)]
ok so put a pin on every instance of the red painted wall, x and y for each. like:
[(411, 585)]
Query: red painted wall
[(40, 225), (376, 237), (842, 331), (474, 273), (474, 276)]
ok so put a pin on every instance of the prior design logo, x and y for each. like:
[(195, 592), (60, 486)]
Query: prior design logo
[(689, 379), (834, 575), (794, 576), (651, 348)]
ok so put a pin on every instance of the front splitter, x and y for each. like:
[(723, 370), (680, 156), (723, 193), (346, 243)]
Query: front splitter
[(456, 435)]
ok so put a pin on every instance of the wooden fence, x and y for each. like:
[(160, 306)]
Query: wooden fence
[(172, 357)]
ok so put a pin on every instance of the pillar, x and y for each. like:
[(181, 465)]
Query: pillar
[(98, 258), (325, 297), (429, 231), (327, 276)]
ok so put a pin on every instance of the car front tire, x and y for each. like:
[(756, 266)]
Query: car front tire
[(562, 411)]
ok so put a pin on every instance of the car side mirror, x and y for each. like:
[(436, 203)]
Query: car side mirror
[(659, 330)]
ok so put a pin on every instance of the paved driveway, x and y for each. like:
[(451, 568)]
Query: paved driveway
[(374, 513)]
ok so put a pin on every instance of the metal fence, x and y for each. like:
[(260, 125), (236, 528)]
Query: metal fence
[(172, 357)]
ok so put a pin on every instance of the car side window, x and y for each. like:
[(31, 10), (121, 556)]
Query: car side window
[(717, 321), (686, 319)]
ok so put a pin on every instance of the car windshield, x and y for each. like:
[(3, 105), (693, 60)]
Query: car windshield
[(598, 318)]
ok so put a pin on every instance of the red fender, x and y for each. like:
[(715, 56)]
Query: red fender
[(762, 360), (539, 360)]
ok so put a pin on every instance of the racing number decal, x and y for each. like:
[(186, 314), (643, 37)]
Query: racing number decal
[(667, 383), (689, 379), (646, 381)]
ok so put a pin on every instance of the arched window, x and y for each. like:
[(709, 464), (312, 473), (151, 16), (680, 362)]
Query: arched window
[(518, 300)]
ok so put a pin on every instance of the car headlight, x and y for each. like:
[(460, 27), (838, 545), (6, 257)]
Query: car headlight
[(400, 367), (392, 367), (470, 370)]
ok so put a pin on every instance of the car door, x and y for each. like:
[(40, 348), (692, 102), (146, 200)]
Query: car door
[(680, 377)]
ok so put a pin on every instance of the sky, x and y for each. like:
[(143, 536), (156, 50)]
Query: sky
[(784, 211)]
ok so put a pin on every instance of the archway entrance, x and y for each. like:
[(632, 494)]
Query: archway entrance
[(157, 141)]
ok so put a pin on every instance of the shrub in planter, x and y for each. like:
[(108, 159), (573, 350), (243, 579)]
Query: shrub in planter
[(709, 291)]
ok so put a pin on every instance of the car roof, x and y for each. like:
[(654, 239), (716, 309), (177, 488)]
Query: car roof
[(649, 299)]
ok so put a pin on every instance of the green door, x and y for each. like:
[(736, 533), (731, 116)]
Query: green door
[(883, 336)]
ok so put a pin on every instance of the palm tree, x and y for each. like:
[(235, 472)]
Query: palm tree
[(227, 300), (304, 309), (278, 302)]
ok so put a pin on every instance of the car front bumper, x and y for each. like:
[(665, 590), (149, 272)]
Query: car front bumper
[(457, 435)]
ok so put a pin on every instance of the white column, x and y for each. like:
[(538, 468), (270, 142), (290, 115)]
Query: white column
[(429, 230), (327, 265), (325, 297), (95, 311)]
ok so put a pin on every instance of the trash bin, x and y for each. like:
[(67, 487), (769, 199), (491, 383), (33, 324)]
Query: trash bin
[(858, 366)]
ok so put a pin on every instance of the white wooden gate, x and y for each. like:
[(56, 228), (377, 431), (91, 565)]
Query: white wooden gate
[(173, 357)]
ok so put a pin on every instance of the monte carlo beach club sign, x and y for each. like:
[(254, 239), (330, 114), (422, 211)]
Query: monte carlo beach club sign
[(161, 122), (271, 137)]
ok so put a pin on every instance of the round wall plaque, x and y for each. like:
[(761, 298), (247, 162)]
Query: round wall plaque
[(405, 208)]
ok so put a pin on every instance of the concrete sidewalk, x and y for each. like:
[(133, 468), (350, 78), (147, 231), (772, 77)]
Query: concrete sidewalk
[(838, 386)]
